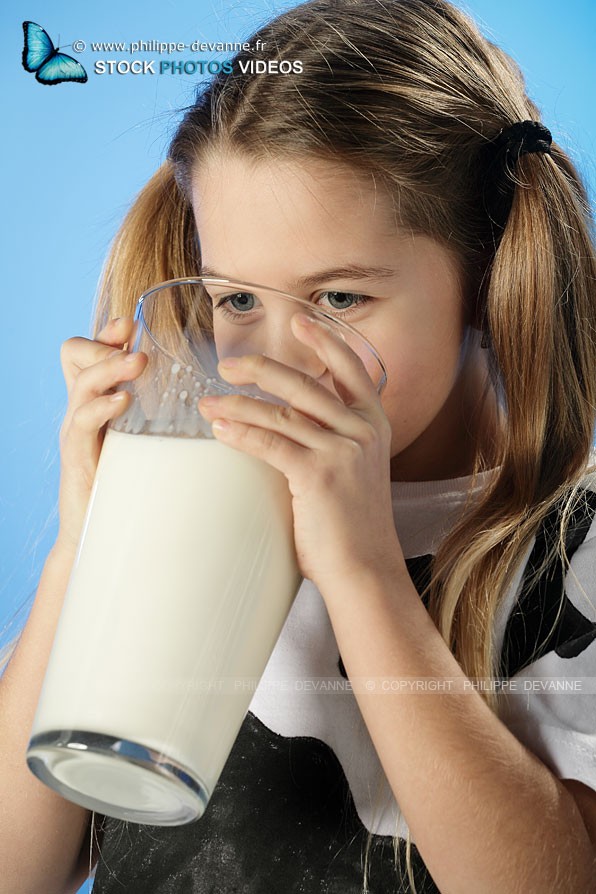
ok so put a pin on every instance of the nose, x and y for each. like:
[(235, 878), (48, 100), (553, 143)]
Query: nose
[(274, 338), (282, 345)]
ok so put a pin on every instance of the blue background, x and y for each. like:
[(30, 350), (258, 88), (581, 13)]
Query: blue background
[(73, 158)]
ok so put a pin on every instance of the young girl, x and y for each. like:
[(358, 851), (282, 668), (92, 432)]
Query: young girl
[(400, 178)]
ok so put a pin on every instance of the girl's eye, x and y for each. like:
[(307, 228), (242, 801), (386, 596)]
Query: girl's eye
[(240, 301), (338, 301)]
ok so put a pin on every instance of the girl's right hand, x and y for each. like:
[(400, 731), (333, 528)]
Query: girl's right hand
[(91, 370)]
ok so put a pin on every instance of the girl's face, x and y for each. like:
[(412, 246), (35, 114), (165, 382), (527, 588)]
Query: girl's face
[(276, 223)]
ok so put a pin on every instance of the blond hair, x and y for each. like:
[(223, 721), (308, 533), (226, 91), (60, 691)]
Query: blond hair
[(410, 93)]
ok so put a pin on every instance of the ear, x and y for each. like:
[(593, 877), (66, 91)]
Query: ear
[(585, 798)]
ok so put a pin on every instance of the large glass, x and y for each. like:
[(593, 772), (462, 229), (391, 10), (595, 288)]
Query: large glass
[(185, 570)]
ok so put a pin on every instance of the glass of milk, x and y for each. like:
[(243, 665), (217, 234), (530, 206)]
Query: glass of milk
[(185, 571)]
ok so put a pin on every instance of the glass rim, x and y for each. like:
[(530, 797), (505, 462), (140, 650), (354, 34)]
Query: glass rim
[(215, 280)]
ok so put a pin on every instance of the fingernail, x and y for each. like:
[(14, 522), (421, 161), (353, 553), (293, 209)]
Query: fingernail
[(131, 358), (119, 395), (220, 424), (113, 353)]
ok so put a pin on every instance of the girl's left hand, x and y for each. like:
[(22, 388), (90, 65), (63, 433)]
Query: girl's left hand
[(335, 453)]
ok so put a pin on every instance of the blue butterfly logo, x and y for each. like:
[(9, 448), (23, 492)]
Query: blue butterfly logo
[(41, 56)]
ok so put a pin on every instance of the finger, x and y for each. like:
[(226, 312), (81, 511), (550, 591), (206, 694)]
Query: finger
[(300, 391), (350, 376), (116, 367), (303, 393), (79, 440), (281, 419), (275, 449), (77, 353)]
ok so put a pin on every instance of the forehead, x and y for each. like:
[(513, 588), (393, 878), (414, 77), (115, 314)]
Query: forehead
[(243, 206)]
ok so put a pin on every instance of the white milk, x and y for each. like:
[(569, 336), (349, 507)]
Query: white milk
[(185, 574)]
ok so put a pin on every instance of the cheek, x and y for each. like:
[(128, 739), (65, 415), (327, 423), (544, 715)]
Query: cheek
[(226, 342), (419, 381)]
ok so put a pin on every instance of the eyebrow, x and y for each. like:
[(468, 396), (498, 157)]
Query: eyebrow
[(351, 271)]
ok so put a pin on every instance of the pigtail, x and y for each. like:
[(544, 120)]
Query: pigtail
[(541, 320), (156, 242)]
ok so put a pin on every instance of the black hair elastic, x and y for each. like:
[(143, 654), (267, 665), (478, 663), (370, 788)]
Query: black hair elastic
[(524, 137)]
